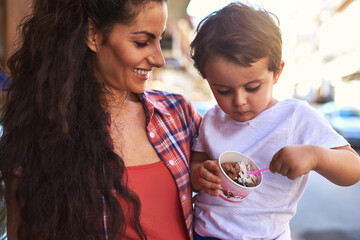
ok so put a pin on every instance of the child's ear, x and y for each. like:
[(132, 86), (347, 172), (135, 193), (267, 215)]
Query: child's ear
[(279, 71), (93, 37)]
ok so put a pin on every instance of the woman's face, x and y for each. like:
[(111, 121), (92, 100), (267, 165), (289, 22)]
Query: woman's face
[(131, 51)]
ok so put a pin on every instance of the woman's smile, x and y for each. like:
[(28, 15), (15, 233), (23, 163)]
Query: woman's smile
[(141, 73)]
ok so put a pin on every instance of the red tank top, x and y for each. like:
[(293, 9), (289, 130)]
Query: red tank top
[(161, 215)]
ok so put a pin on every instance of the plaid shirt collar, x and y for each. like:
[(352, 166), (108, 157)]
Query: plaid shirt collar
[(152, 103)]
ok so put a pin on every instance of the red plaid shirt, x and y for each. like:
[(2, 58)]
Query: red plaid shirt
[(172, 124)]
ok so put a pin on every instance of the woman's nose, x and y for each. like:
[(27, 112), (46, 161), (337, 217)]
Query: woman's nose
[(156, 58)]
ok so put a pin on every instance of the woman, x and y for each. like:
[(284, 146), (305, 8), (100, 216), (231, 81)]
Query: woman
[(87, 152)]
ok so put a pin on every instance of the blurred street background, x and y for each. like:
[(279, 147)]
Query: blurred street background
[(327, 212), (321, 49)]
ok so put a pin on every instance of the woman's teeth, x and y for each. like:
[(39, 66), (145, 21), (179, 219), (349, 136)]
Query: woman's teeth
[(140, 72)]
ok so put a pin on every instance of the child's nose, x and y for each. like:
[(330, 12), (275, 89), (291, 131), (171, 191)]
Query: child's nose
[(239, 99)]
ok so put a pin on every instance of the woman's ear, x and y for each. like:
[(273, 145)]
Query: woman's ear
[(279, 71), (93, 37)]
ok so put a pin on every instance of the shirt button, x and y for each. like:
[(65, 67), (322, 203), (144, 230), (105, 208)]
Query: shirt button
[(171, 162), (152, 135), (183, 197)]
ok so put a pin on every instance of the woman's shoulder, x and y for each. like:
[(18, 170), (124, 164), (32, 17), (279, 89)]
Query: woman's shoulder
[(167, 101), (172, 103), (159, 95)]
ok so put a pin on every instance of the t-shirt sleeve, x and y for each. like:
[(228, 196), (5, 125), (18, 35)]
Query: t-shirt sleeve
[(198, 145), (207, 130), (193, 120), (310, 128)]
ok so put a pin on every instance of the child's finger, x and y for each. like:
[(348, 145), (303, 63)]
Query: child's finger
[(284, 171), (292, 175), (205, 184), (212, 192), (275, 164), (212, 166), (209, 176)]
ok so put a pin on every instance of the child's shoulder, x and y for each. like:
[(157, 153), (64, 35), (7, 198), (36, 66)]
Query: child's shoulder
[(293, 104), (214, 112), (297, 110)]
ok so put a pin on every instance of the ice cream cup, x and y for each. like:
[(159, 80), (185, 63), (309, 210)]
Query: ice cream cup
[(232, 191)]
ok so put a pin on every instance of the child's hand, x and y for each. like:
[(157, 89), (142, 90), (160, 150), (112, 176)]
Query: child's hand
[(203, 173), (205, 177), (294, 161)]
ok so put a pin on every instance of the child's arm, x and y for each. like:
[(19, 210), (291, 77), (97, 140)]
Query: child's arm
[(339, 165), (203, 173)]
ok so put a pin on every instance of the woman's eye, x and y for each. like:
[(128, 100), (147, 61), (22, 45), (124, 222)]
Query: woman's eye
[(141, 44), (252, 89)]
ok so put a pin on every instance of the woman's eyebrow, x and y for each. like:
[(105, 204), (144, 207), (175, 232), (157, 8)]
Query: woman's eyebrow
[(151, 35)]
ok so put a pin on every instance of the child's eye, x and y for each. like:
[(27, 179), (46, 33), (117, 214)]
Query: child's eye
[(252, 89), (224, 92), (141, 44)]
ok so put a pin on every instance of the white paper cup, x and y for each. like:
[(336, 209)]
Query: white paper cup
[(232, 191)]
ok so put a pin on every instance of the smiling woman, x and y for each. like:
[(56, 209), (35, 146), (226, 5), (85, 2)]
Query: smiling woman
[(81, 133), (132, 50)]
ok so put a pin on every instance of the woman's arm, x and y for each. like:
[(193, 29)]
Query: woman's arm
[(12, 208)]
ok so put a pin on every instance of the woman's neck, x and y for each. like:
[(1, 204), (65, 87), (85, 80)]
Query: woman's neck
[(116, 98)]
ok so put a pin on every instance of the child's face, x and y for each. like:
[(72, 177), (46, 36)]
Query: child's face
[(241, 92)]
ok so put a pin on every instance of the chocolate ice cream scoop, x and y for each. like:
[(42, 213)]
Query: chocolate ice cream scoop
[(231, 169)]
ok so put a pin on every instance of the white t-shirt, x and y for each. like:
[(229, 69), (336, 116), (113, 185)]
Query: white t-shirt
[(267, 211)]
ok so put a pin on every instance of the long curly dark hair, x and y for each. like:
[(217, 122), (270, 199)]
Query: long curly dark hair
[(55, 125)]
